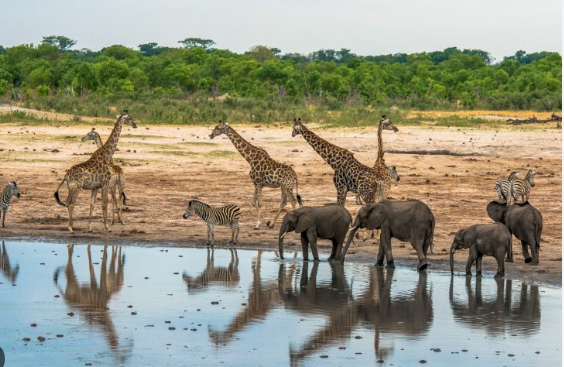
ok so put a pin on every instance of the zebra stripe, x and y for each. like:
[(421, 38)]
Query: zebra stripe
[(522, 187), (226, 215), (7, 193), (503, 187)]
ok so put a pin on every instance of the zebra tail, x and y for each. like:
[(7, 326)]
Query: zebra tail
[(61, 203), (298, 196)]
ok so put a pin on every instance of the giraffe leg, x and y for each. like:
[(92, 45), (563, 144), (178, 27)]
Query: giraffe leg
[(119, 189), (92, 203), (257, 202), (71, 201), (105, 206), (283, 202), (115, 209)]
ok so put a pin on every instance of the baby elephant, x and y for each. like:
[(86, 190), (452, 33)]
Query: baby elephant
[(329, 222), (10, 190), (482, 239), (226, 215)]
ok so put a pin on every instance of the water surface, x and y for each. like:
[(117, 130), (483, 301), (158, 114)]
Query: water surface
[(140, 306)]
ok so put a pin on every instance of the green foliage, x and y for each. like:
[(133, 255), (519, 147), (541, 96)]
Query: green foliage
[(197, 83)]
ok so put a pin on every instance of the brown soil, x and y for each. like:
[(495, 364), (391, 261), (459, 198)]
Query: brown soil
[(167, 165)]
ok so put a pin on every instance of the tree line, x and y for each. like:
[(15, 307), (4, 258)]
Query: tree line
[(332, 79)]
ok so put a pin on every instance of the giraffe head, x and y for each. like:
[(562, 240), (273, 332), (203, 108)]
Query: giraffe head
[(298, 127), (92, 135), (125, 119), (394, 173), (13, 189), (387, 124), (221, 128)]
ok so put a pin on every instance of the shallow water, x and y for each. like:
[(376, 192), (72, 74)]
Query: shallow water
[(140, 306)]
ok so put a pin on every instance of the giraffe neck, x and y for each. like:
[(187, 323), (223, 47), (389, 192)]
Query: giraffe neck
[(109, 148), (244, 147), (321, 146), (380, 156)]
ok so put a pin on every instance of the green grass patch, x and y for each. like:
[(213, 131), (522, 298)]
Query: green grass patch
[(220, 154)]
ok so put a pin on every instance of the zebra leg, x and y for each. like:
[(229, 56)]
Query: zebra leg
[(4, 217), (92, 203), (209, 235), (283, 202), (257, 199)]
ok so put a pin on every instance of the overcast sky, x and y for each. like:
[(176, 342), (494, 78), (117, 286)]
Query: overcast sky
[(367, 27)]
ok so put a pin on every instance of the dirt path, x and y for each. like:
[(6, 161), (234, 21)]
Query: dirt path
[(167, 165)]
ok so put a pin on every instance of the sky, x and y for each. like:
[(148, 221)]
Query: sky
[(366, 27)]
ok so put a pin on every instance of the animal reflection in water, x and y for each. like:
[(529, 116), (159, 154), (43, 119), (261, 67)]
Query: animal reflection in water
[(90, 299), (226, 276), (298, 289), (262, 298), (502, 310), (9, 271)]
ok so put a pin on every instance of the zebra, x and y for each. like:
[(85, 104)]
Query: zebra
[(503, 188), (226, 215), (522, 187), (394, 173), (7, 193)]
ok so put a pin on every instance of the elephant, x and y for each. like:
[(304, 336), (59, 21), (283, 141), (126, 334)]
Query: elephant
[(482, 239), (329, 222), (522, 220), (407, 220)]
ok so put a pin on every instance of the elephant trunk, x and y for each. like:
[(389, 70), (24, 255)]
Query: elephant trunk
[(283, 231), (453, 248), (352, 233)]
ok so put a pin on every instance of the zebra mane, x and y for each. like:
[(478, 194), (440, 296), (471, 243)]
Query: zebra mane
[(198, 203)]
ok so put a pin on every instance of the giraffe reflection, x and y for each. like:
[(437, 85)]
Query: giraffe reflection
[(501, 311), (226, 276), (261, 299), (9, 271), (90, 300)]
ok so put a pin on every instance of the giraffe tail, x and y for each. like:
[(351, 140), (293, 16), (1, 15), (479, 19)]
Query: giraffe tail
[(61, 203), (124, 198), (298, 196)]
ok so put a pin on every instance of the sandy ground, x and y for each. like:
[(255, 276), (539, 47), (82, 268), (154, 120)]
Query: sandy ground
[(166, 166)]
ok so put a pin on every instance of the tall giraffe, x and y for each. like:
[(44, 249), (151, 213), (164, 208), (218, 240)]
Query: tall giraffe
[(118, 177), (350, 174), (265, 172), (94, 174), (383, 172)]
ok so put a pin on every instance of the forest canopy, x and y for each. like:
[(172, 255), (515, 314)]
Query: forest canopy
[(54, 75)]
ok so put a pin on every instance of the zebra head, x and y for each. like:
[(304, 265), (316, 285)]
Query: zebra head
[(394, 173), (92, 135), (190, 211), (298, 127), (14, 190), (387, 124), (221, 128), (531, 177), (124, 118), (514, 175)]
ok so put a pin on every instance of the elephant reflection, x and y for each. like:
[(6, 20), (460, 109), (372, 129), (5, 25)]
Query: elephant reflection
[(262, 298), (409, 313), (91, 299), (9, 271), (502, 310), (227, 276)]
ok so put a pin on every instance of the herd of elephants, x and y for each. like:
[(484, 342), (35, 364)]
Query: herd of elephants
[(406, 220)]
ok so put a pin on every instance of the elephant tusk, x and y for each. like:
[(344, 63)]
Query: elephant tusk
[(352, 229), (282, 236)]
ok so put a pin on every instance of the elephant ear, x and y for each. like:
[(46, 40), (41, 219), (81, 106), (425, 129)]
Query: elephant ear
[(376, 217), (470, 236), (496, 211), (305, 221)]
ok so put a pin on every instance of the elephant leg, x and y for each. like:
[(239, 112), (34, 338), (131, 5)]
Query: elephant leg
[(500, 266), (418, 243), (312, 238), (471, 258), (479, 265), (338, 247), (525, 248), (333, 249), (305, 243), (381, 253), (386, 246)]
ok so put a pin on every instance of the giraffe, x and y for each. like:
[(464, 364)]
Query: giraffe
[(117, 180), (383, 172), (350, 174), (94, 174), (265, 172)]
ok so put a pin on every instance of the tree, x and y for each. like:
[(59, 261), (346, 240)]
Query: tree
[(197, 42), (62, 42), (150, 49), (261, 53)]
